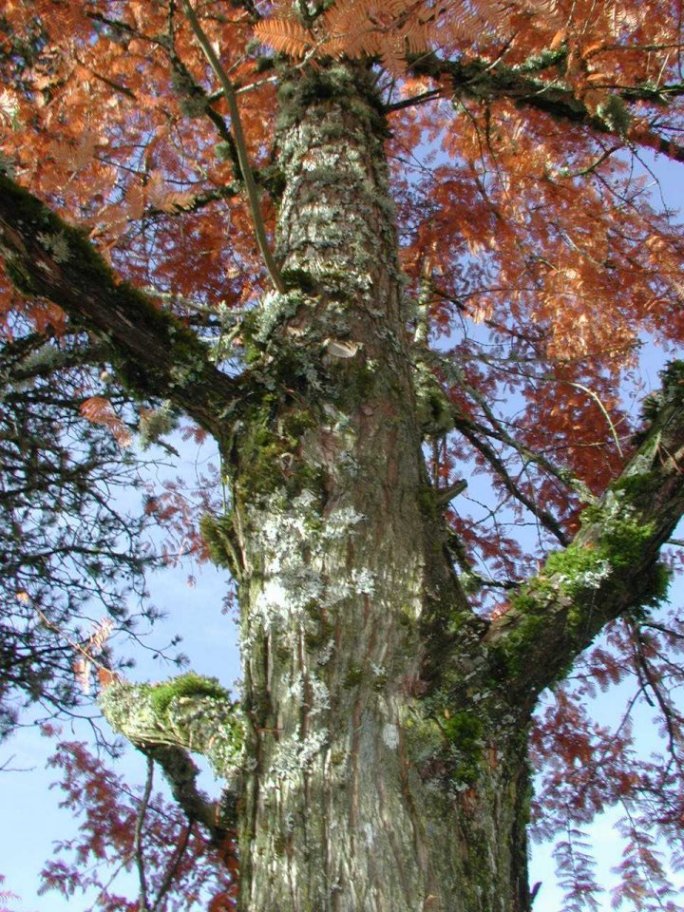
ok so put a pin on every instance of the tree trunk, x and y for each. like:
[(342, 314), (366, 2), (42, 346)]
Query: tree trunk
[(389, 771)]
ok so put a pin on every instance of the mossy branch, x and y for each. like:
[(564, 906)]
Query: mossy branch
[(610, 568), (165, 721), (154, 354), (188, 712)]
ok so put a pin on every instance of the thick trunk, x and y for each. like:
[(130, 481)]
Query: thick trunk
[(378, 781)]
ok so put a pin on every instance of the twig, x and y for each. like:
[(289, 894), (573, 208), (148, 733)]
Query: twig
[(243, 158), (488, 452), (604, 411), (428, 95), (84, 651), (172, 869), (143, 905), (649, 680)]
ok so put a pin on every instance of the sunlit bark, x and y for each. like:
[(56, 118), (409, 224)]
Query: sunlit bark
[(377, 779)]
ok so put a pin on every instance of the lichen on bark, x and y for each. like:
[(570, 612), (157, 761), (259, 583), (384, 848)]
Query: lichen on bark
[(188, 712), (348, 603)]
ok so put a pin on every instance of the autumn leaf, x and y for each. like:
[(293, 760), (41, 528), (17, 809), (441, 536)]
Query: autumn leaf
[(99, 410)]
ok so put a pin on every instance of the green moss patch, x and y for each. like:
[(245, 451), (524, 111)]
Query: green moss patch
[(187, 685)]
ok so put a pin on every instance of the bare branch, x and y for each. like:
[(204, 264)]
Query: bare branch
[(544, 517), (137, 836), (604, 411), (240, 142), (172, 868)]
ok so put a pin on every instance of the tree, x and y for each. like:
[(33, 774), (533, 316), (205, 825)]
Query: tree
[(372, 248), (66, 547)]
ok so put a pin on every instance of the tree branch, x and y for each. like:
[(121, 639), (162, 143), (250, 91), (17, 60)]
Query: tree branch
[(487, 452), (610, 568), (241, 144), (181, 774), (491, 81), (39, 355), (138, 835), (154, 353), (167, 720), (172, 867), (189, 712)]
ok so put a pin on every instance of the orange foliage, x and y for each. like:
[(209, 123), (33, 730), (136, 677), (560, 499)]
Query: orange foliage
[(531, 223), (99, 410), (99, 120)]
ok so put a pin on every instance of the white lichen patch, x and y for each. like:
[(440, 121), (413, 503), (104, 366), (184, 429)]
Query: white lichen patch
[(289, 593), (274, 308), (311, 693), (336, 591), (295, 690), (319, 697), (326, 653), (390, 735), (57, 245), (340, 523), (296, 541), (363, 580), (360, 582), (368, 834), (592, 579), (292, 757)]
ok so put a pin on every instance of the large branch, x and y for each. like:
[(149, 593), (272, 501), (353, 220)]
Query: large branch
[(181, 774), (154, 353), (168, 720), (527, 88), (611, 567)]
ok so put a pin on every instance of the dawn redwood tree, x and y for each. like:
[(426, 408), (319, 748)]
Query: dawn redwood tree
[(399, 259)]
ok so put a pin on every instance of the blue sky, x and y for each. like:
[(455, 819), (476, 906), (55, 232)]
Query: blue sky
[(31, 819)]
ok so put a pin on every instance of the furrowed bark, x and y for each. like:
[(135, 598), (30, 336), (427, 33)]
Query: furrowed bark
[(155, 354), (376, 778)]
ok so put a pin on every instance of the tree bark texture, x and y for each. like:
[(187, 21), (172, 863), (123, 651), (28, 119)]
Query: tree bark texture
[(377, 782)]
